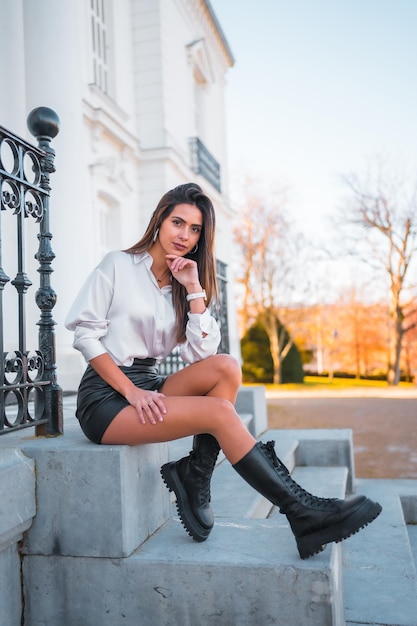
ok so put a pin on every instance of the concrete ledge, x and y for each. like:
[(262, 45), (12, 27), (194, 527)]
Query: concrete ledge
[(17, 495), (248, 573), (17, 509), (232, 497), (325, 447), (10, 588), (379, 559), (409, 506), (251, 399), (92, 500), (95, 500), (324, 482)]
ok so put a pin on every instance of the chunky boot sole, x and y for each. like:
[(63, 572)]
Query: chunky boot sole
[(309, 545), (173, 481)]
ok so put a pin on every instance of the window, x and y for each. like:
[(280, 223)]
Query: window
[(109, 224), (202, 79), (99, 42)]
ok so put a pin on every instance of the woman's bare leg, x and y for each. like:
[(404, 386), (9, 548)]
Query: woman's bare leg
[(199, 399), (186, 415), (219, 376)]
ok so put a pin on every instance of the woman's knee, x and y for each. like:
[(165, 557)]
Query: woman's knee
[(229, 368), (223, 412)]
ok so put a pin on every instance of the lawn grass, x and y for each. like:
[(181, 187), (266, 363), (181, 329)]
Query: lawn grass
[(321, 382)]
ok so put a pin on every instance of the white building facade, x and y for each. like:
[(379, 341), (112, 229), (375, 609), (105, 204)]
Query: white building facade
[(139, 87)]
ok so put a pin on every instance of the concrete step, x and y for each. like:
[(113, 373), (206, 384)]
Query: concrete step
[(243, 558), (247, 573), (332, 447), (233, 497), (92, 500), (379, 567)]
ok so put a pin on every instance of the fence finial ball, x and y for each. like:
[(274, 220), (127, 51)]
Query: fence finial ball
[(43, 121)]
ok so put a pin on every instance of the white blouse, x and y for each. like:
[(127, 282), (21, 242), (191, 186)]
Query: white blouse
[(121, 310)]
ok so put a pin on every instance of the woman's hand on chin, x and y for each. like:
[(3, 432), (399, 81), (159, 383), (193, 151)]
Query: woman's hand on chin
[(184, 270)]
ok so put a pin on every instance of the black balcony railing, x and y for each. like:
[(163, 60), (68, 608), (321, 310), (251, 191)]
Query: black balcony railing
[(30, 395), (203, 163)]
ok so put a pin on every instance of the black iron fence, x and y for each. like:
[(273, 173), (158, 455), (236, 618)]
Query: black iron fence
[(30, 394)]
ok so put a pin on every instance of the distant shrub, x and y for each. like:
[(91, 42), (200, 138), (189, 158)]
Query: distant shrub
[(256, 354), (257, 360)]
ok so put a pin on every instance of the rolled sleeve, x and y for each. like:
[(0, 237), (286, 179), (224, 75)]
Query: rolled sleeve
[(203, 337), (87, 339), (88, 316)]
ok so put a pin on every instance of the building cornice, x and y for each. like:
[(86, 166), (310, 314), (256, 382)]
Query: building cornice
[(218, 28)]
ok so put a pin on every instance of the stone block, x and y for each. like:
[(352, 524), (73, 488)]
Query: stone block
[(100, 501), (17, 494), (247, 573), (379, 560), (232, 497), (322, 446), (17, 509), (10, 586), (251, 400)]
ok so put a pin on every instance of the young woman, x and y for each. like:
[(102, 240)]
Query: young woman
[(134, 308)]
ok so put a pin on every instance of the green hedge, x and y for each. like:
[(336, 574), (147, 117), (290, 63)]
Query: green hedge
[(257, 360)]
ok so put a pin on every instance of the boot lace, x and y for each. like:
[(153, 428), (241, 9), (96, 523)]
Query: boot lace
[(202, 466), (297, 491)]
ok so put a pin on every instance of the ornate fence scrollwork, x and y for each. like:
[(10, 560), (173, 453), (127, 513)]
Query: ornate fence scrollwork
[(30, 394)]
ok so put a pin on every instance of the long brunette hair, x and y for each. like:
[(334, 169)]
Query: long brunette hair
[(189, 193)]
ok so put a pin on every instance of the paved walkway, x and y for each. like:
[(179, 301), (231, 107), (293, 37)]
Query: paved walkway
[(383, 421), (352, 392)]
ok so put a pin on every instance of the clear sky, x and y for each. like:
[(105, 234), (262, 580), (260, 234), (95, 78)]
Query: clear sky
[(319, 88)]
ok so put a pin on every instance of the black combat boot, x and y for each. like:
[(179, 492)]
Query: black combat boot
[(314, 521), (189, 478)]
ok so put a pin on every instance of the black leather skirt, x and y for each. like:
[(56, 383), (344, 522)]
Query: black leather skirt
[(98, 403)]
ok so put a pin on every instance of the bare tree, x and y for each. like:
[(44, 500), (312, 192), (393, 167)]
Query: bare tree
[(267, 254), (383, 212)]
